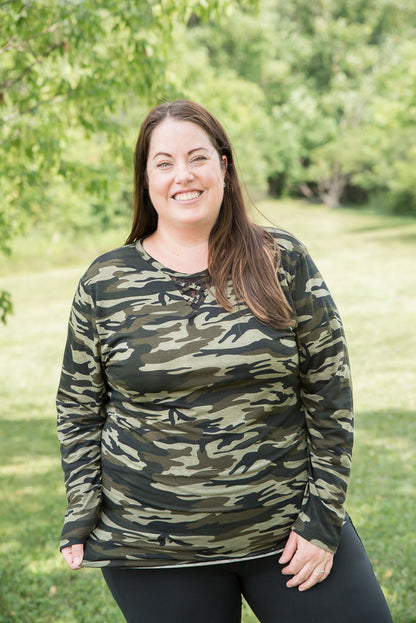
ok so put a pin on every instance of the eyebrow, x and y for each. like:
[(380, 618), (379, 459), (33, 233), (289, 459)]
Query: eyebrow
[(163, 153)]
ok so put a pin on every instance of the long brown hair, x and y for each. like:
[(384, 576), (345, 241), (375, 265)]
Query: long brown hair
[(237, 246)]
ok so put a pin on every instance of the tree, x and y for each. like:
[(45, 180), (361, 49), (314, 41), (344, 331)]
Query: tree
[(70, 71), (327, 70)]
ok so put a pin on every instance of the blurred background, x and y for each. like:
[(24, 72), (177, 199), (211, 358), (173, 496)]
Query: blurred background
[(319, 99)]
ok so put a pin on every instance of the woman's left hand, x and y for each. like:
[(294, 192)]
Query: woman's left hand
[(308, 563)]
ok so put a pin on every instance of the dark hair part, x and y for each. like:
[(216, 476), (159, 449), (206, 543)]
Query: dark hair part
[(237, 246)]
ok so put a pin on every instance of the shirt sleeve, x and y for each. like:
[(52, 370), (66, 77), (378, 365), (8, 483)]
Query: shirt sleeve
[(81, 416), (326, 397)]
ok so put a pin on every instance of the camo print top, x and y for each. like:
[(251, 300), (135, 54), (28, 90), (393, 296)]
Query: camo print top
[(190, 434)]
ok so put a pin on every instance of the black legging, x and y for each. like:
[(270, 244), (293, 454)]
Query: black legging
[(212, 593)]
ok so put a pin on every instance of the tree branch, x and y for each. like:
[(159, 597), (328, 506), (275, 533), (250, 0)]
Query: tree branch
[(20, 45), (10, 83), (7, 46), (32, 109)]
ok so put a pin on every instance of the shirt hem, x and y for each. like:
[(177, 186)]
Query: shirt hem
[(107, 563)]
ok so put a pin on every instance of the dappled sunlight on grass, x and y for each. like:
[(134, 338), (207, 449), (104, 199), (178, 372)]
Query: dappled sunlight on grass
[(382, 496), (18, 466)]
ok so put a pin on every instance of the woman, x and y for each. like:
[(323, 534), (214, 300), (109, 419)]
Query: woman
[(204, 408)]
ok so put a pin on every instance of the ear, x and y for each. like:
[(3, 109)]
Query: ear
[(224, 163)]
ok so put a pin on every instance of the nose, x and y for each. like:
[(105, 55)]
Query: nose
[(183, 173)]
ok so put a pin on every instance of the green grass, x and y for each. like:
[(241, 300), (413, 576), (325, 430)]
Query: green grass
[(368, 262)]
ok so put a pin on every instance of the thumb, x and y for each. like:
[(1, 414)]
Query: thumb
[(290, 548), (77, 554)]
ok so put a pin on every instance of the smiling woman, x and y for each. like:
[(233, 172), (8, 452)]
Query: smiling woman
[(205, 408), (235, 246), (186, 186)]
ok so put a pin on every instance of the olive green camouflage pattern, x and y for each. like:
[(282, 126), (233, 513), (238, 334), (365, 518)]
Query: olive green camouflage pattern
[(190, 434)]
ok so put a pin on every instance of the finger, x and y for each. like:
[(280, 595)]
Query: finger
[(310, 573), (67, 554), (290, 549), (73, 555), (297, 563), (314, 578), (300, 577), (308, 557), (77, 554), (317, 576)]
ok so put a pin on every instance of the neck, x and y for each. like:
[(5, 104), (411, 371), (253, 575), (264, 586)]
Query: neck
[(185, 252)]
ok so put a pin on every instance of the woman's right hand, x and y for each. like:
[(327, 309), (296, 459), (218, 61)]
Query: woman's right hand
[(73, 555)]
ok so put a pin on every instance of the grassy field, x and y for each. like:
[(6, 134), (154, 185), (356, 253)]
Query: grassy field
[(369, 264)]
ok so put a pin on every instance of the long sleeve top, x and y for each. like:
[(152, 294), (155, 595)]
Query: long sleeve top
[(190, 434)]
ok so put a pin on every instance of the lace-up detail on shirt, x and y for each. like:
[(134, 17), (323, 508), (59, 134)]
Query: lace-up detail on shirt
[(194, 288)]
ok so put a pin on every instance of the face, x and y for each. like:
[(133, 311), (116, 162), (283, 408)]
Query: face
[(185, 175)]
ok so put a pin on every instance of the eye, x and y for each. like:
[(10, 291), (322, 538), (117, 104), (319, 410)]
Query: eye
[(199, 158), (163, 165)]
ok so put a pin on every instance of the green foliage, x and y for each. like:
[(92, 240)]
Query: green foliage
[(71, 75), (68, 69), (6, 305), (216, 88), (338, 83)]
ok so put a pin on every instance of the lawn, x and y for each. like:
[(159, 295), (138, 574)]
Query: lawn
[(368, 261)]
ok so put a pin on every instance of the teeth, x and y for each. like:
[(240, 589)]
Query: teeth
[(187, 196)]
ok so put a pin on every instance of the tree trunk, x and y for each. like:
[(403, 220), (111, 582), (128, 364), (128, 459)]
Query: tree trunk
[(330, 188)]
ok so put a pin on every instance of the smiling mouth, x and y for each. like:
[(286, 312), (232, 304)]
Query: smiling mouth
[(187, 196)]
